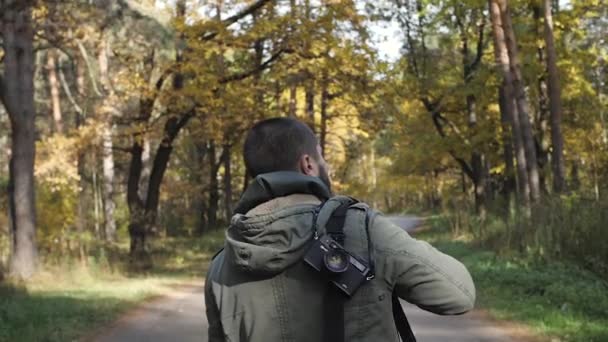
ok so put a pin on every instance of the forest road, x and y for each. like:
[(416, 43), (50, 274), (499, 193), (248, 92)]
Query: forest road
[(180, 317)]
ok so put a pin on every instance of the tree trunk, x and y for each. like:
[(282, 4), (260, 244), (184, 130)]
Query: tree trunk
[(144, 211), (137, 231), (293, 101), (477, 161), (521, 101), (258, 47), (108, 185), (510, 111), (555, 103), (107, 154), (310, 104), (213, 186), (146, 167), (543, 138), (96, 204), (51, 64), (575, 179), (324, 105), (200, 207), (507, 141), (291, 79), (81, 207), (469, 66), (81, 223), (17, 95), (227, 182)]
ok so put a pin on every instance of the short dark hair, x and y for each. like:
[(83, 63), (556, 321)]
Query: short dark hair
[(277, 144)]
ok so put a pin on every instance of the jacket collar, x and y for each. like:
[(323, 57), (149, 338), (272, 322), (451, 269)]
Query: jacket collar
[(268, 186)]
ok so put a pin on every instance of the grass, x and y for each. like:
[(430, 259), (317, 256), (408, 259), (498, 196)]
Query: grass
[(61, 305), (557, 299), (63, 310)]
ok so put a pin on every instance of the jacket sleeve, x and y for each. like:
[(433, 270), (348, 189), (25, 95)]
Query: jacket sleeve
[(215, 331), (419, 273)]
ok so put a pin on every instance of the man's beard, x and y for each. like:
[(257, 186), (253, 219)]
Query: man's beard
[(324, 176)]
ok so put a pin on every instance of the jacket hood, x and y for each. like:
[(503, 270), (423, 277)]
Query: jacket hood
[(269, 186), (272, 227)]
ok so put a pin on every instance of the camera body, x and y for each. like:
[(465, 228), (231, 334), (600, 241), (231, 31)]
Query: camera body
[(343, 269)]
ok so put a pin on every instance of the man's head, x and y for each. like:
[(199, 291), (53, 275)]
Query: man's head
[(284, 144)]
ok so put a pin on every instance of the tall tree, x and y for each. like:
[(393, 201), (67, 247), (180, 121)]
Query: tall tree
[(470, 64), (107, 151), (51, 66), (214, 193), (228, 181), (428, 64), (17, 95), (521, 101), (508, 108), (555, 102), (543, 135)]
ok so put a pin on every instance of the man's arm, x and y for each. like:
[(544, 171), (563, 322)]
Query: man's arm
[(420, 273), (215, 332)]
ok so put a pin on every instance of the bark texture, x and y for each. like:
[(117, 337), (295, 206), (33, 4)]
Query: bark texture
[(555, 102), (521, 101), (107, 109), (17, 95), (509, 110), (51, 65)]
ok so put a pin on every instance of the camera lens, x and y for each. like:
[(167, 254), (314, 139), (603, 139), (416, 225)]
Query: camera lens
[(336, 261)]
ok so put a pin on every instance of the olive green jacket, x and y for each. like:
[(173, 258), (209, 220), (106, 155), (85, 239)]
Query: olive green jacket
[(259, 290)]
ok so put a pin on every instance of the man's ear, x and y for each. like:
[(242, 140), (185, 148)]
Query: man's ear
[(306, 165)]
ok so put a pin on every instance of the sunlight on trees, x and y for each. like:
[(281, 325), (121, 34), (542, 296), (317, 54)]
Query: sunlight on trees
[(127, 117)]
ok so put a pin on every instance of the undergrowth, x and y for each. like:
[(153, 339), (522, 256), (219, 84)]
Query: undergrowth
[(556, 297)]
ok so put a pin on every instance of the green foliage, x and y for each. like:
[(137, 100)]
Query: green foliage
[(61, 310), (567, 228), (554, 297)]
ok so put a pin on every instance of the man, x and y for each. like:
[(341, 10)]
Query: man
[(258, 288)]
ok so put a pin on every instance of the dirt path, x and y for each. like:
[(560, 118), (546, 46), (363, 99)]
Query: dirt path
[(181, 317), (178, 317)]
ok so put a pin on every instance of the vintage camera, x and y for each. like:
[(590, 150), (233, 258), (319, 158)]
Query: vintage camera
[(343, 269)]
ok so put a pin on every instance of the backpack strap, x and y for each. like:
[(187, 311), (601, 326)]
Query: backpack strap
[(401, 322), (333, 315), (335, 224)]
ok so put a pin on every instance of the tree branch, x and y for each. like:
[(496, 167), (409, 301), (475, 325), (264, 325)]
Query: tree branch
[(85, 56), (162, 78), (480, 46), (161, 160), (258, 69), (68, 92), (254, 7), (432, 107), (463, 164)]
